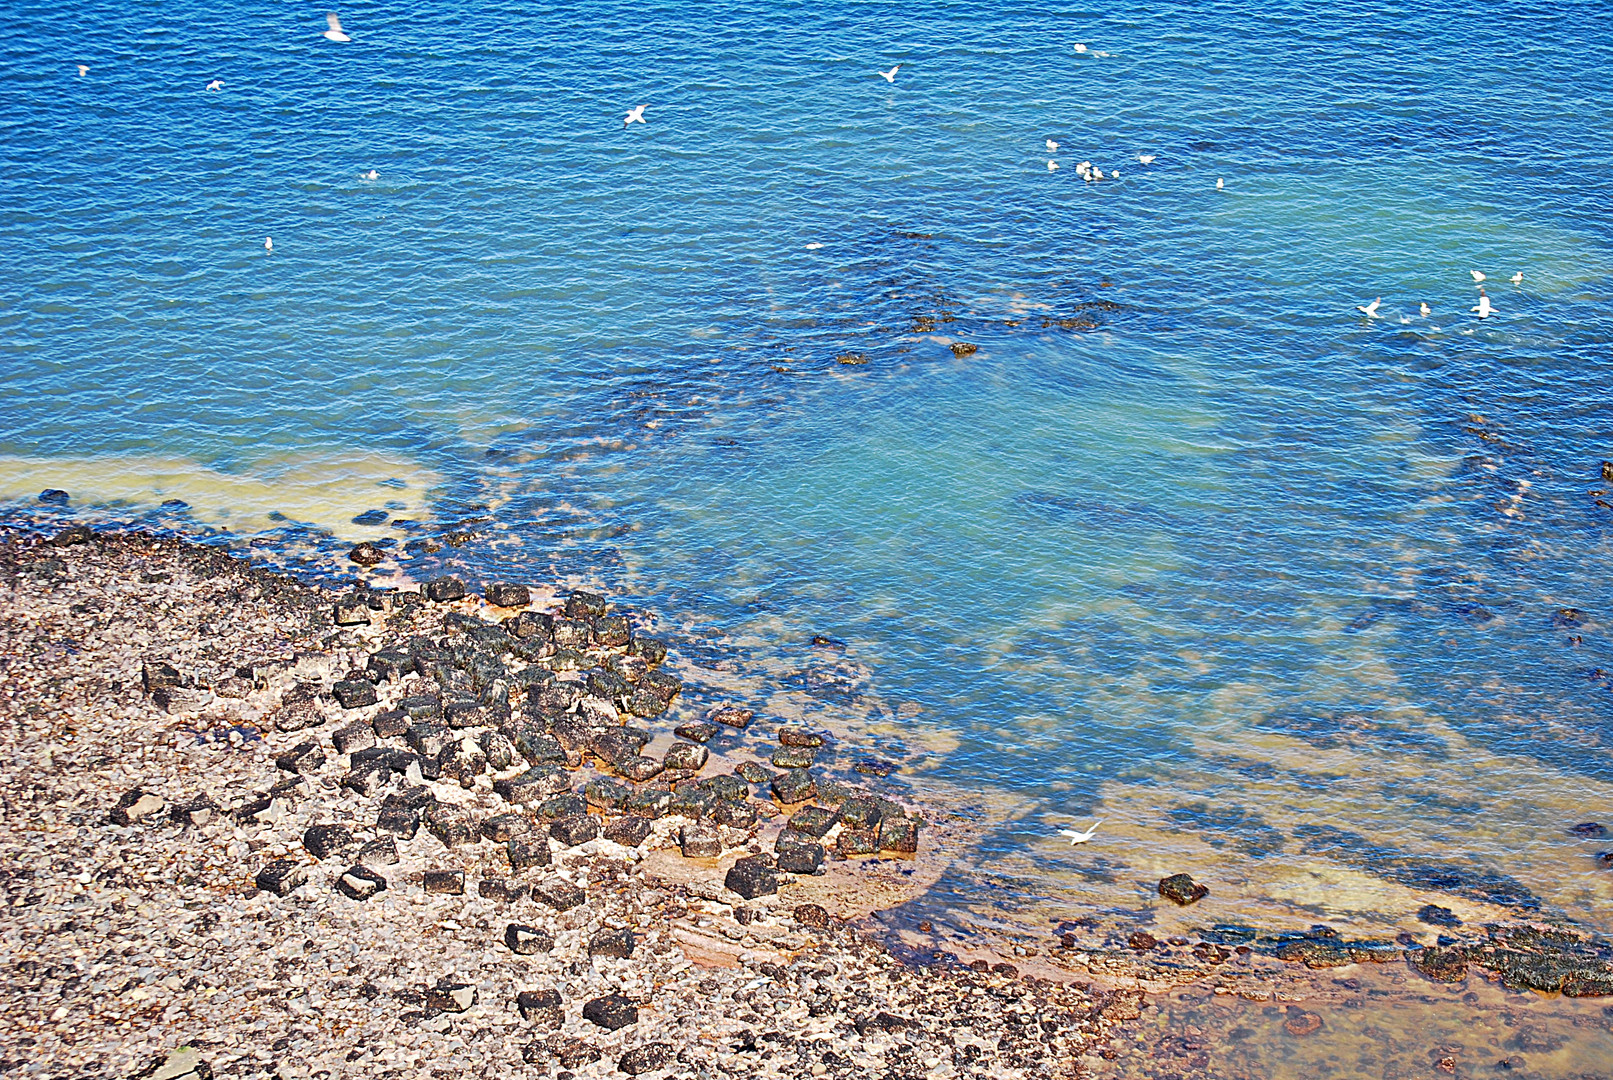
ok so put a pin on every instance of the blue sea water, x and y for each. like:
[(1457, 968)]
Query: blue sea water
[(1309, 604)]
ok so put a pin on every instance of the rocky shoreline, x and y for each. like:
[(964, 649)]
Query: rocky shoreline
[(254, 827)]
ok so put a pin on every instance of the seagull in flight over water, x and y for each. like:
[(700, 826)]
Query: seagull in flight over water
[(634, 116), (1483, 306), (83, 70), (1371, 310), (216, 84), (889, 76), (1081, 837), (335, 32)]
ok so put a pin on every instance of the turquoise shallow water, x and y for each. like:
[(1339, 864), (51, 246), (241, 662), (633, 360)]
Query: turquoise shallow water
[(1272, 588)]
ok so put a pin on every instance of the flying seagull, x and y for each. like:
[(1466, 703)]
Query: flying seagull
[(1371, 310), (371, 175), (335, 32), (1477, 276), (83, 70), (1146, 159), (1081, 837), (634, 116), (216, 84), (1483, 306), (1052, 147), (889, 76)]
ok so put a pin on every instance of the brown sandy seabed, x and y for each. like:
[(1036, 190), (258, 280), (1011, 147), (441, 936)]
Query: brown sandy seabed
[(1253, 1016)]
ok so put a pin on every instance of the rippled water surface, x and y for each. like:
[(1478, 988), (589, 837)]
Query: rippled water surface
[(1187, 543)]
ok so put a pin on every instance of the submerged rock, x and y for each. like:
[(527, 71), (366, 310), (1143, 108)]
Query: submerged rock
[(1182, 889), (1446, 965)]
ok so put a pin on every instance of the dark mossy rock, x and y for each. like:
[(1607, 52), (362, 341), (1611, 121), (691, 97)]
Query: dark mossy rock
[(420, 708), (651, 800), (753, 876), (305, 757), (428, 740), (1590, 830), (682, 755), (963, 348), (382, 852), (700, 841), (614, 943), (450, 997), (898, 834), (582, 603), (1434, 915), (572, 633), (389, 665), (651, 650), (399, 821), (558, 894), (350, 611), (526, 852), (612, 631), (534, 785), (607, 793), (503, 594), (575, 829), (861, 812), (539, 747), (640, 768), (607, 684), (727, 788), (445, 589), (855, 841), (740, 815), (794, 786), (451, 825), (566, 804), (1315, 952), (814, 821), (552, 698), (462, 761), (530, 626), (444, 882), (528, 941), (326, 841), (629, 831), (359, 883), (618, 745), (389, 724), (755, 772), (1552, 961), (366, 554), (731, 716), (695, 731), (794, 757), (1440, 965), (611, 1012), (281, 877), (795, 736), (644, 702), (500, 890), (354, 693), (1182, 889), (798, 856), (693, 798), (876, 767), (368, 778), (648, 1058), (55, 497), (502, 828), (813, 915)]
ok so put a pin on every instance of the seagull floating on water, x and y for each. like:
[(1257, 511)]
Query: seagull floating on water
[(889, 76), (1517, 279), (634, 116), (1146, 159), (1425, 309), (1483, 306), (1371, 310), (1219, 183), (1080, 48), (83, 70), (1052, 166), (371, 175), (1052, 147), (335, 32), (216, 84), (1477, 276), (268, 244), (814, 246), (1081, 837)]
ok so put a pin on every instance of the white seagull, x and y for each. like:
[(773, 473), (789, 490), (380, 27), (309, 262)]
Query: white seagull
[(335, 32), (889, 76), (634, 116), (1425, 309), (83, 70), (268, 245), (1517, 279), (1477, 277), (1052, 166), (1081, 837), (1483, 306), (1080, 48), (1146, 159), (814, 246), (1371, 310), (1052, 147), (1219, 183), (216, 84), (371, 175)]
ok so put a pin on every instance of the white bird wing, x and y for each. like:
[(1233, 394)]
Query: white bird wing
[(335, 23)]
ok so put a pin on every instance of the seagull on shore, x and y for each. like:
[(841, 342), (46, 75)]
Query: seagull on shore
[(634, 116), (1081, 837), (1477, 276), (268, 245), (1517, 279), (371, 175), (1371, 310), (216, 84), (1220, 183), (1425, 309), (1146, 159), (335, 32), (1483, 306), (1052, 166), (1052, 147), (889, 76), (83, 70)]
